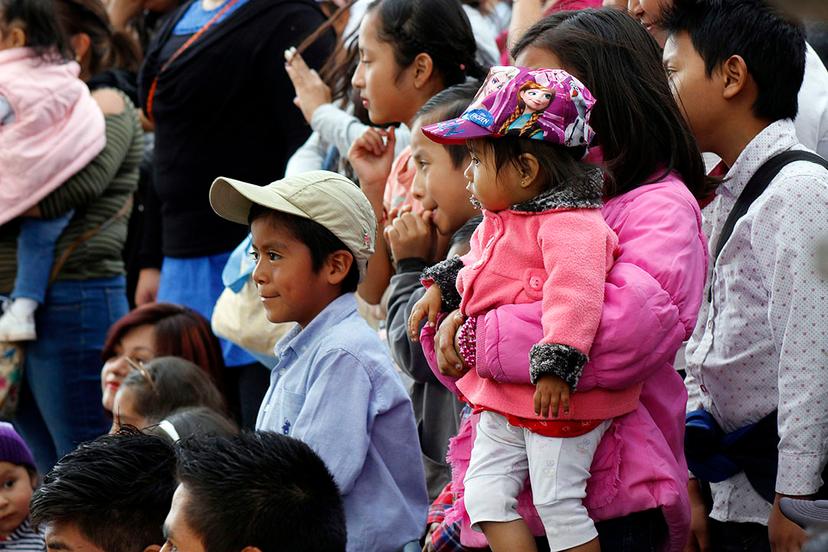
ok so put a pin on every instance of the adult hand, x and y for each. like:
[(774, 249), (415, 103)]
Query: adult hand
[(146, 290), (411, 236), (311, 90), (699, 540), (784, 534), (445, 345), (371, 156)]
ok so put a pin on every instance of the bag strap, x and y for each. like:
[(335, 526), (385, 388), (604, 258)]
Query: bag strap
[(125, 209), (757, 184)]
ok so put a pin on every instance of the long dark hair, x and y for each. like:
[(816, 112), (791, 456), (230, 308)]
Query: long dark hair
[(438, 28), (109, 49), (43, 35), (637, 122)]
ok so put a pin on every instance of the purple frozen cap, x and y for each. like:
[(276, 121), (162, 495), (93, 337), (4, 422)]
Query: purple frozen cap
[(539, 104)]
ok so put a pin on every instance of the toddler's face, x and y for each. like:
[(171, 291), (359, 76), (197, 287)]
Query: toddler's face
[(15, 493), (439, 185), (492, 188)]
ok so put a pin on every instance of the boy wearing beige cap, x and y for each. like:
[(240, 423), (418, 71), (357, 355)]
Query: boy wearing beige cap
[(334, 385)]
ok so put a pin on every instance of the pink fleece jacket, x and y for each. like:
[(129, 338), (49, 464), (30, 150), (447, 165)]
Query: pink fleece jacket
[(651, 300), (560, 257), (57, 129)]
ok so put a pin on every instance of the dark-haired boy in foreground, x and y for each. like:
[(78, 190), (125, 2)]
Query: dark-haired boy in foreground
[(758, 353)]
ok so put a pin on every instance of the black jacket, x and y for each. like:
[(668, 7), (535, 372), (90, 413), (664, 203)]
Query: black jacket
[(223, 108)]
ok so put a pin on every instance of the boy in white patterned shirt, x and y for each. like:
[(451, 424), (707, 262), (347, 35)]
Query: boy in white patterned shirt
[(759, 348)]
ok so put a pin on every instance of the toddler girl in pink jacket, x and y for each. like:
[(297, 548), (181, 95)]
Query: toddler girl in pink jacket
[(50, 128), (542, 238)]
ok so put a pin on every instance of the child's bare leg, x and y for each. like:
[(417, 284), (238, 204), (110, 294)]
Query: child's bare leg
[(509, 536), (591, 546)]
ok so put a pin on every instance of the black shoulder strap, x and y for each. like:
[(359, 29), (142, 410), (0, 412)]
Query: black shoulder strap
[(757, 184)]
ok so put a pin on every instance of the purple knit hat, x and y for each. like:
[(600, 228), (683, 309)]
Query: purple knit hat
[(539, 104), (13, 449)]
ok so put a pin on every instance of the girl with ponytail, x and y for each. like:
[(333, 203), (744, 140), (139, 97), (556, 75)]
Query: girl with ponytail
[(409, 50)]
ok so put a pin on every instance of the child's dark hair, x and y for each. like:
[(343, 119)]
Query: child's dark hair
[(772, 45), (557, 164), (169, 383), (637, 122), (108, 48), (43, 34), (196, 420), (260, 489), (450, 104), (439, 28), (116, 490), (320, 241)]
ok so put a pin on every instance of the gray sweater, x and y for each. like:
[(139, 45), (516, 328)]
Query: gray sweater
[(436, 409)]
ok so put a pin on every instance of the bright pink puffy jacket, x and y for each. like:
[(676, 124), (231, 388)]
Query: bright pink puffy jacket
[(652, 297)]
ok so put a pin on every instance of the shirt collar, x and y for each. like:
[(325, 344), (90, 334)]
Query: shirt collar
[(775, 138), (298, 338)]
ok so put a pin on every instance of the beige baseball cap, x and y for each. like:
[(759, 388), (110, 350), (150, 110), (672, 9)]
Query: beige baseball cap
[(321, 196)]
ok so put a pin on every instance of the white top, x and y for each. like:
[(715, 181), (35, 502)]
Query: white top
[(812, 121), (762, 343)]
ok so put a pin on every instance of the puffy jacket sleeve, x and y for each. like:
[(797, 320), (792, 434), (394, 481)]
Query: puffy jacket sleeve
[(651, 299)]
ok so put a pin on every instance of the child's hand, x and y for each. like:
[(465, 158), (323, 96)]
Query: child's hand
[(428, 305), (550, 393), (411, 236), (371, 156), (311, 90)]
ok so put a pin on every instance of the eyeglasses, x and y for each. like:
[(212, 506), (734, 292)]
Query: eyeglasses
[(138, 366)]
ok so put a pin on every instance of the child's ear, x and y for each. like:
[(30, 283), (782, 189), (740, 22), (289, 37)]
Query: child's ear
[(337, 266), (734, 75), (529, 168), (16, 37), (153, 548), (423, 68)]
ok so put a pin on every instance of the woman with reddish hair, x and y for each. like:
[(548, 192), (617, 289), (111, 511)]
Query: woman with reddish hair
[(156, 330)]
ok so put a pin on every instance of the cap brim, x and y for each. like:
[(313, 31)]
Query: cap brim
[(232, 199), (806, 513), (455, 131)]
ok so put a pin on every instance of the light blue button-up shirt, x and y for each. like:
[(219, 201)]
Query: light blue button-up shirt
[(335, 388)]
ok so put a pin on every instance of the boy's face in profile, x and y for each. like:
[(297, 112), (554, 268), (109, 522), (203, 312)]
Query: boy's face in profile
[(179, 534), (695, 92), (16, 487), (289, 288)]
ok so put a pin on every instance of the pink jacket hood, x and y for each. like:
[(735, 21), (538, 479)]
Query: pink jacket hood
[(57, 130), (652, 297)]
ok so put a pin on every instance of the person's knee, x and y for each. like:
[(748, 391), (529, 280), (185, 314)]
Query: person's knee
[(490, 498)]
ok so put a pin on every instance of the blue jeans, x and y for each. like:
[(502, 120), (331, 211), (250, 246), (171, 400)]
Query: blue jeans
[(60, 399), (36, 255)]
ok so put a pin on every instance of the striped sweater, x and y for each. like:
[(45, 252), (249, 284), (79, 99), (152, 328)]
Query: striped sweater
[(96, 193), (24, 539)]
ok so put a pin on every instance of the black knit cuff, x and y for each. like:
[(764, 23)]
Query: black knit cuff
[(444, 275), (411, 264), (559, 360)]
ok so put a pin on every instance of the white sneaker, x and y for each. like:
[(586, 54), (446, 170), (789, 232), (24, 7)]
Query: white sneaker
[(16, 327)]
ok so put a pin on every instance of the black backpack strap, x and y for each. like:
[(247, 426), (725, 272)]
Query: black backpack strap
[(757, 184)]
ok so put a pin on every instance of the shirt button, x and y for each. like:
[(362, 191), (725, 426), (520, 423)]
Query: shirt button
[(535, 282)]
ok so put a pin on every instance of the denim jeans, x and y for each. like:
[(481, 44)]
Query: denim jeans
[(60, 398), (738, 537), (36, 255)]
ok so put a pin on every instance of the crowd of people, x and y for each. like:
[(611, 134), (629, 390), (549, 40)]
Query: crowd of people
[(402, 275)]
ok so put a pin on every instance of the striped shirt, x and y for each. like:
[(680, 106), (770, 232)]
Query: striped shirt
[(25, 539), (96, 193)]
